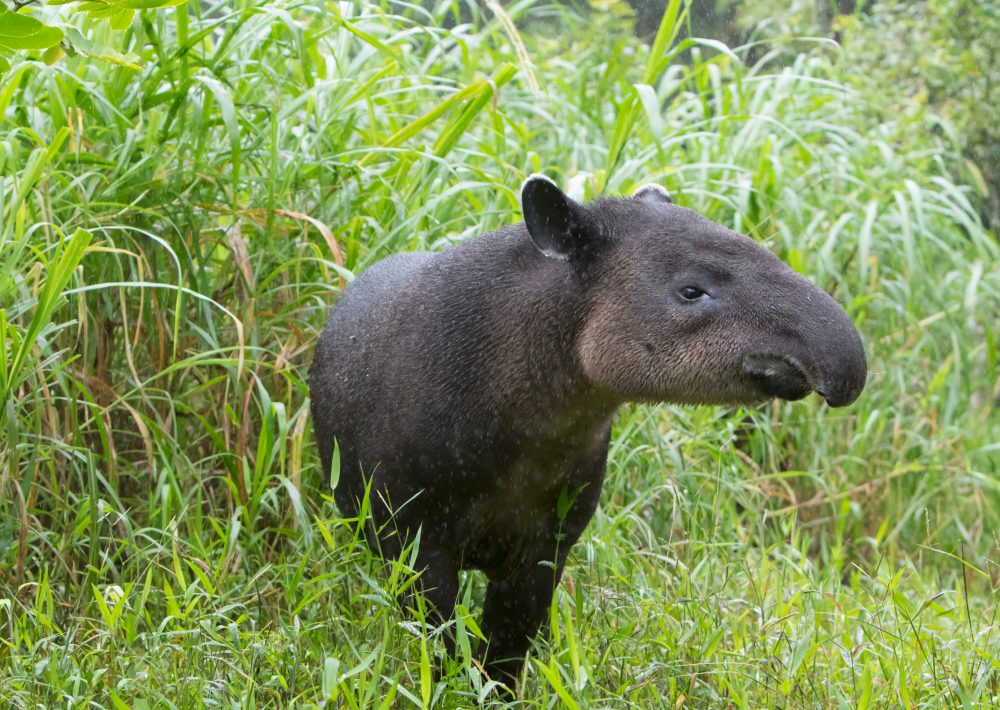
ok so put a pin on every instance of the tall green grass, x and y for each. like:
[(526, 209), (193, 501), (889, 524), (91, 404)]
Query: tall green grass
[(171, 239)]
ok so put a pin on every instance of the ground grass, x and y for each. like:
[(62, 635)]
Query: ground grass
[(170, 242)]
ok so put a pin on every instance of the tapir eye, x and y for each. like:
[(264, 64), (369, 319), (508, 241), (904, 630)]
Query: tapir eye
[(692, 293)]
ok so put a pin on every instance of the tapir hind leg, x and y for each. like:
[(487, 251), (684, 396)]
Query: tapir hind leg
[(437, 587)]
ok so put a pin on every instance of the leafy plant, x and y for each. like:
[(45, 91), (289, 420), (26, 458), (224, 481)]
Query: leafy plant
[(21, 32)]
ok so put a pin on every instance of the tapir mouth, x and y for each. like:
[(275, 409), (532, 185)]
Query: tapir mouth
[(779, 375)]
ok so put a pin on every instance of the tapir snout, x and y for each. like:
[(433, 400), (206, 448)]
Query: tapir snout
[(814, 348)]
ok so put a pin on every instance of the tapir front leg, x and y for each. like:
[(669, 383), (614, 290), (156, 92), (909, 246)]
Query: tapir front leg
[(516, 607), (517, 604)]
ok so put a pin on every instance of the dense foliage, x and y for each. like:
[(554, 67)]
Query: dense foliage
[(938, 58), (941, 57), (171, 238)]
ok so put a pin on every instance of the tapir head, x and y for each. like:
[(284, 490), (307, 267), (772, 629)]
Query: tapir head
[(678, 308)]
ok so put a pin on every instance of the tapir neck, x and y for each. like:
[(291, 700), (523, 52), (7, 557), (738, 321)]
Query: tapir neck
[(536, 315)]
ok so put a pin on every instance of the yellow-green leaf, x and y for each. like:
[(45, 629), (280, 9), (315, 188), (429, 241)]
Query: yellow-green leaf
[(122, 19), (52, 55)]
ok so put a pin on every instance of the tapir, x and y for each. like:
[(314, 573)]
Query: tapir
[(470, 392)]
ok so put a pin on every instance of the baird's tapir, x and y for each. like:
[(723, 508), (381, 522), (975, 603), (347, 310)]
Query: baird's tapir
[(474, 388)]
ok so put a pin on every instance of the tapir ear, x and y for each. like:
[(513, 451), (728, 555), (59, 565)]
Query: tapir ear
[(653, 193), (561, 228)]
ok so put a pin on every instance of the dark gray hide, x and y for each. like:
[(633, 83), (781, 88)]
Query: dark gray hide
[(475, 385)]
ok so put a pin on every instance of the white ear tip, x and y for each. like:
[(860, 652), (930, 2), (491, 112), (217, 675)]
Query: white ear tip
[(534, 177), (653, 193)]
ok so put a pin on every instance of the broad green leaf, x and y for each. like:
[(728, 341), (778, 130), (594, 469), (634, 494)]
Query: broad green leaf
[(802, 649), (228, 110), (19, 31), (122, 19), (145, 4), (461, 122), (670, 25), (425, 674), (52, 55), (121, 4), (470, 621), (59, 271), (551, 673), (99, 10)]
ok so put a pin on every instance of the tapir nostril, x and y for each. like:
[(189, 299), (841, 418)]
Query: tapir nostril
[(778, 375), (842, 372), (842, 396), (825, 395)]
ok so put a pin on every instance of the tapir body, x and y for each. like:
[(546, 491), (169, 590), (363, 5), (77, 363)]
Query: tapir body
[(474, 389)]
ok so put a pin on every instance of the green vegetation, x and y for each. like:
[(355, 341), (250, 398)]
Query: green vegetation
[(21, 31), (942, 58), (170, 241), (936, 58)]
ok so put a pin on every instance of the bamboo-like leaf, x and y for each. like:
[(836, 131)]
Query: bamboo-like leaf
[(670, 25), (228, 111), (454, 130), (651, 105), (58, 273), (551, 673)]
